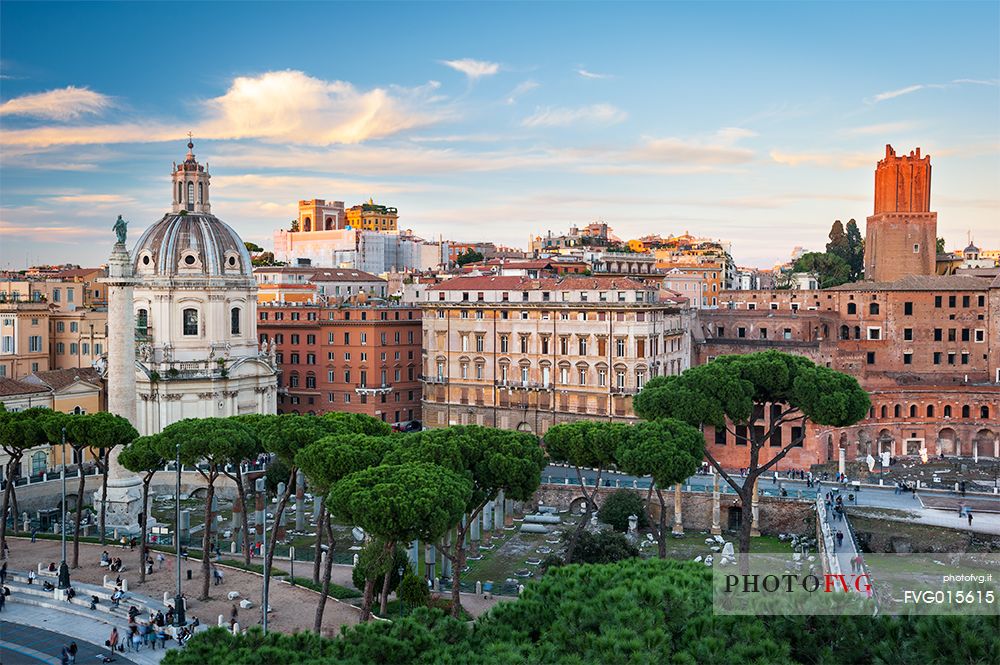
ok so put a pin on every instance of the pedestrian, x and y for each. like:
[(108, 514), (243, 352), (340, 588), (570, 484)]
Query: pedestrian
[(72, 652), (31, 576), (113, 640), (840, 538), (34, 534), (159, 560), (3, 573), (136, 638), (3, 601), (64, 656), (914, 490), (234, 614), (969, 515), (961, 509), (6, 550)]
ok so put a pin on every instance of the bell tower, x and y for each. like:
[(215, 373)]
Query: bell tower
[(190, 183), (901, 235)]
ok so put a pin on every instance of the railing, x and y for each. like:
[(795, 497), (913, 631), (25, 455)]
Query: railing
[(361, 388), (441, 380), (523, 385)]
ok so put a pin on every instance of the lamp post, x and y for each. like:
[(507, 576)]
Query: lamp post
[(399, 596), (63, 567), (179, 619), (261, 487)]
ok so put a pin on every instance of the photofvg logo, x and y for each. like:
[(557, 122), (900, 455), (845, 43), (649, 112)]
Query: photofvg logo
[(815, 583)]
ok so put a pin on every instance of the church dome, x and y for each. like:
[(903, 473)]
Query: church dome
[(195, 245)]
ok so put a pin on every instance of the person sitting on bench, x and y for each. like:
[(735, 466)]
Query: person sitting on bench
[(105, 559), (52, 566), (47, 586), (116, 597), (31, 576)]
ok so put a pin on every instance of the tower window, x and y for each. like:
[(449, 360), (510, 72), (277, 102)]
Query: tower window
[(916, 248), (141, 321), (190, 319), (234, 321), (201, 193), (189, 259), (190, 196)]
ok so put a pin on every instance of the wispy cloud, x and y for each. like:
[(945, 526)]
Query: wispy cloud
[(474, 69), (63, 104), (522, 88), (285, 106), (881, 129), (92, 198), (892, 94), (592, 75), (839, 160), (555, 116)]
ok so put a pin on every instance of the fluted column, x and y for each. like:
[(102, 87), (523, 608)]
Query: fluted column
[(678, 529), (716, 507)]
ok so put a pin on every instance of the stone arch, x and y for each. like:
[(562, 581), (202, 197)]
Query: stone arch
[(864, 443), (524, 426), (307, 224), (886, 442), (329, 224), (578, 505), (829, 447), (198, 493), (985, 443), (947, 442)]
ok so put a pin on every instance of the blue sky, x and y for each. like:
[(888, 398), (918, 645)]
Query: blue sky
[(758, 123)]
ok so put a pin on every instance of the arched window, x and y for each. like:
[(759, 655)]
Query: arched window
[(190, 199), (77, 411), (180, 192), (947, 411), (201, 192), (852, 308), (897, 411), (930, 410), (141, 322), (873, 308), (857, 332), (885, 411), (984, 412), (329, 223), (913, 410), (307, 224), (38, 463), (190, 321), (293, 380), (965, 411), (234, 321), (845, 332)]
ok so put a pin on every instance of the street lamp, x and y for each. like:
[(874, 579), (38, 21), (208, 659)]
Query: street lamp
[(398, 590), (179, 619), (261, 487), (63, 567)]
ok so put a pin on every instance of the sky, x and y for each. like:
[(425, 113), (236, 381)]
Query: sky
[(754, 123)]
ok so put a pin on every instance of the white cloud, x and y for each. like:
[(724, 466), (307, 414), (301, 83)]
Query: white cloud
[(63, 104), (840, 160), (555, 116), (92, 198), (592, 75), (474, 69), (715, 150), (286, 106), (892, 94), (521, 89)]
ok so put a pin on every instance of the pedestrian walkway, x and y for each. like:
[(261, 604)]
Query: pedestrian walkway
[(43, 630)]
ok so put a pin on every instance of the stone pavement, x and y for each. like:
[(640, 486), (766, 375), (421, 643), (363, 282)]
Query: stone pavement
[(28, 634)]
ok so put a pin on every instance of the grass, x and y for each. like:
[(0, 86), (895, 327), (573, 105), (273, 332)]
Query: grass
[(253, 567), (335, 591), (393, 608)]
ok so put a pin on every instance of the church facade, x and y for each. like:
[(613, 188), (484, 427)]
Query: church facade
[(195, 311)]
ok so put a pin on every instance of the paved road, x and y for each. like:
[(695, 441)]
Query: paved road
[(29, 645)]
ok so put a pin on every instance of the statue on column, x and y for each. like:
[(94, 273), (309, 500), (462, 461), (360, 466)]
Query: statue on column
[(121, 229)]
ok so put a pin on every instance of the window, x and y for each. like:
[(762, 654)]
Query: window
[(870, 359), (38, 463), (897, 411), (602, 377), (907, 357), (741, 332), (937, 302), (852, 308), (524, 343), (873, 308), (883, 412), (35, 343), (938, 334), (763, 333), (913, 410), (930, 410), (504, 343), (620, 347), (581, 375), (937, 357), (874, 333), (234, 321), (980, 335), (965, 411), (582, 344), (947, 411), (966, 301), (984, 412), (951, 334), (952, 300), (908, 334), (787, 333), (480, 343), (720, 436), (916, 248), (908, 308), (966, 334), (620, 380), (190, 321), (965, 357)]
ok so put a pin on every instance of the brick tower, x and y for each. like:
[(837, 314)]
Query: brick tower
[(901, 236)]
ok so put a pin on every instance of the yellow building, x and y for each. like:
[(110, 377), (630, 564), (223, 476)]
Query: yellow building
[(24, 336), (372, 217)]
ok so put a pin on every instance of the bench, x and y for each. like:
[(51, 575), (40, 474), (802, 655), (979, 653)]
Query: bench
[(109, 583), (43, 569), (168, 600)]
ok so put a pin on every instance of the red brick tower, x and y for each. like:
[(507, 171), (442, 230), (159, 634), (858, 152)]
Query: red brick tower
[(901, 236)]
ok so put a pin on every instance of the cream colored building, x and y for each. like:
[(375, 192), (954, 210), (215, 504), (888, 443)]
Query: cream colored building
[(520, 353), (24, 336), (195, 305)]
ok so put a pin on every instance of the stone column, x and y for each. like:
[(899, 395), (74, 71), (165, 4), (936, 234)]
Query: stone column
[(317, 507), (842, 460), (300, 501), (445, 561), (124, 487), (499, 513), (678, 529), (430, 557), (237, 511), (261, 515), (755, 511), (487, 517), (474, 536), (716, 507), (414, 555), (508, 512)]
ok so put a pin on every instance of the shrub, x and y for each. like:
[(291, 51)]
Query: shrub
[(413, 591), (603, 547), (371, 564), (616, 509)]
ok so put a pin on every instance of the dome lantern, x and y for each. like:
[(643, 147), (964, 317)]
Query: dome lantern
[(190, 182)]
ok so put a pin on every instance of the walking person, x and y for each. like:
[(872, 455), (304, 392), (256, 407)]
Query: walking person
[(159, 560), (34, 533), (969, 515), (3, 573), (3, 600), (234, 615), (112, 642), (840, 538)]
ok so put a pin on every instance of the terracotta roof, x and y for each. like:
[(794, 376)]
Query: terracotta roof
[(57, 379), (9, 387), (286, 269), (514, 283), (920, 283), (74, 273)]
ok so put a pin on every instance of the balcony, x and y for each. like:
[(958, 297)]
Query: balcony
[(383, 389), (523, 385), (440, 380)]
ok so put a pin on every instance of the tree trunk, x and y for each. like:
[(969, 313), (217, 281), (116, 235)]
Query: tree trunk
[(143, 524), (662, 549), (4, 507), (327, 569), (457, 565), (206, 566), (245, 521), (366, 600), (277, 517), (746, 525), (582, 524), (387, 578), (319, 543), (16, 510), (81, 488), (104, 490)]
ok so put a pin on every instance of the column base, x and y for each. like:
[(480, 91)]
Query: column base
[(716, 531), (754, 532), (678, 530)]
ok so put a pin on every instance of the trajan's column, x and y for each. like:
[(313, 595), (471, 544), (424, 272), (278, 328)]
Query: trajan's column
[(124, 487)]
